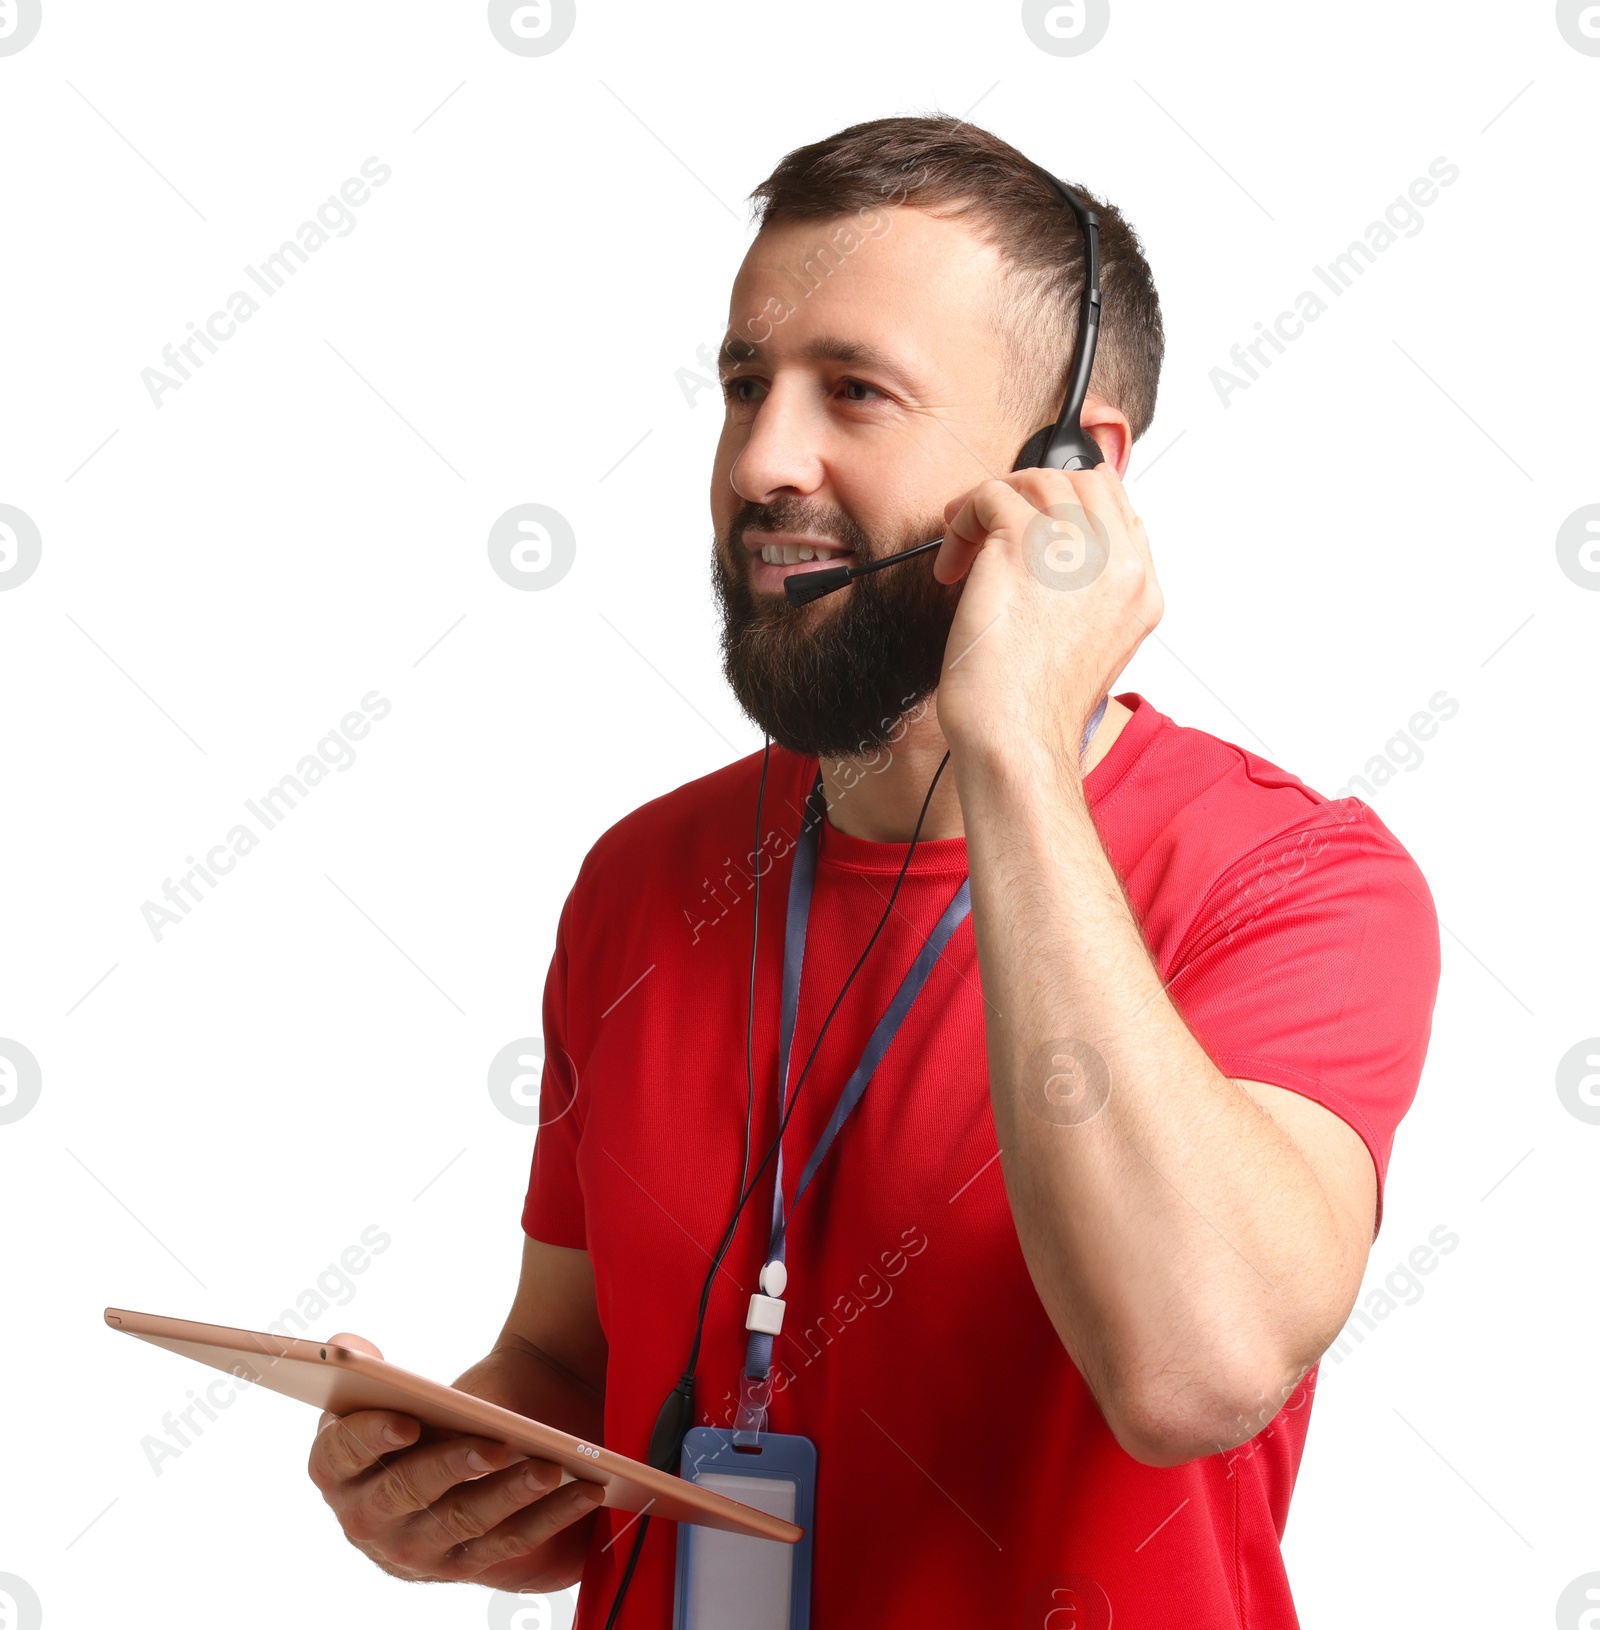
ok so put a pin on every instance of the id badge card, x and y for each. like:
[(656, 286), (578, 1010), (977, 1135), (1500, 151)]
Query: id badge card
[(735, 1581)]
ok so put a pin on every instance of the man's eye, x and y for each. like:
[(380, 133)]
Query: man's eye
[(734, 389)]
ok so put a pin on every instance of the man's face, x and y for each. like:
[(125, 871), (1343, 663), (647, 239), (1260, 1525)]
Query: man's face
[(853, 414)]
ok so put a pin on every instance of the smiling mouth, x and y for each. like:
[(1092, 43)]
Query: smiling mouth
[(794, 554), (773, 558)]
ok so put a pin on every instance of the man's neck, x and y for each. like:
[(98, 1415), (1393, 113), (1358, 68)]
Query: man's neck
[(879, 798)]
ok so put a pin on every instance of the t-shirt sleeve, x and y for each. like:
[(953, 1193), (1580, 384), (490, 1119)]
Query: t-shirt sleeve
[(553, 1208), (1313, 964)]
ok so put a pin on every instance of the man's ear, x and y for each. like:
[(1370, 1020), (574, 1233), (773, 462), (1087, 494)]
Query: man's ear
[(1111, 431)]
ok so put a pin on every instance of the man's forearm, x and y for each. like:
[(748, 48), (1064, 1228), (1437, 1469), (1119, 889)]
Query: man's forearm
[(1164, 1216), (520, 1377)]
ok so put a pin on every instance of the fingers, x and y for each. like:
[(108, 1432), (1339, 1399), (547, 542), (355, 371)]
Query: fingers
[(1102, 487), (415, 1511), (956, 553), (532, 1527), (1103, 494), (470, 1510), (413, 1481), (993, 506), (348, 1445), (1100, 494), (343, 1456), (998, 511), (954, 557)]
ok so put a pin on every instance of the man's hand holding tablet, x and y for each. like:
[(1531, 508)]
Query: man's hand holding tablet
[(494, 1479), (430, 1505)]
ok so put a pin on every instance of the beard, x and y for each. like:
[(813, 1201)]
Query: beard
[(832, 679)]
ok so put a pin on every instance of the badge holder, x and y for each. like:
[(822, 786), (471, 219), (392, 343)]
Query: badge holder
[(733, 1581)]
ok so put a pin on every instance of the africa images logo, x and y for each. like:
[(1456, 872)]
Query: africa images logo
[(19, 22), (19, 1605), (532, 29), (20, 546), (21, 1082)]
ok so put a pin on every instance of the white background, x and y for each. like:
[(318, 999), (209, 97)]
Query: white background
[(224, 1111)]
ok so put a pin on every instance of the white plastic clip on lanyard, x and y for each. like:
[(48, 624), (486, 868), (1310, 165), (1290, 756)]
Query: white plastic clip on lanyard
[(764, 1318)]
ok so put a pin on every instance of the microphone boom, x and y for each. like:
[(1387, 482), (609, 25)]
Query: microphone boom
[(801, 588)]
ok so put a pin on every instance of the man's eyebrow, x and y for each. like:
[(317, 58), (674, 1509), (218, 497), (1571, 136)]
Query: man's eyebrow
[(736, 352)]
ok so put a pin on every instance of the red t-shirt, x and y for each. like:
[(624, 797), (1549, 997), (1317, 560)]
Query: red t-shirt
[(965, 1473)]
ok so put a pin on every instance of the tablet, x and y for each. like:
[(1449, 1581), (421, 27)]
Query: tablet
[(343, 1380)]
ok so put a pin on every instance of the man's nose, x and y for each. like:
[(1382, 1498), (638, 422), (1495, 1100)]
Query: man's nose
[(783, 452)]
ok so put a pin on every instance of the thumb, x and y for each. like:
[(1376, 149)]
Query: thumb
[(359, 1343)]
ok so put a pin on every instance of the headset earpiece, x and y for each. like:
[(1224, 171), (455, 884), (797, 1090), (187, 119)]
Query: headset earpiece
[(1073, 450), (1033, 449)]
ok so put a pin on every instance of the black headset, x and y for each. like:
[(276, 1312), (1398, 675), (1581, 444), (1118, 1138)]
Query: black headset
[(1065, 445)]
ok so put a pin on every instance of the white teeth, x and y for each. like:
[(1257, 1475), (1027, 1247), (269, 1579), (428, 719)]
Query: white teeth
[(791, 554)]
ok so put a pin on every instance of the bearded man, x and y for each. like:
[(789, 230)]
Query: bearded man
[(1021, 1151)]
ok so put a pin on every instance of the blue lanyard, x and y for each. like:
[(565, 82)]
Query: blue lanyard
[(802, 880)]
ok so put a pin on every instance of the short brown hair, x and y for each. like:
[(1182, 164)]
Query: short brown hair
[(955, 170)]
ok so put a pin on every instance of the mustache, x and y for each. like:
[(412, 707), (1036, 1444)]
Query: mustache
[(831, 526)]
